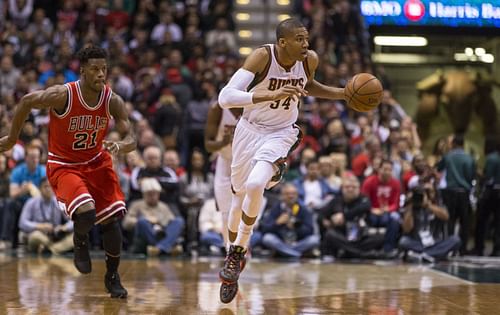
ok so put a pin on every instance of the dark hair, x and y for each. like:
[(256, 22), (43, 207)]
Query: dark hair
[(386, 161), (91, 52), (287, 26), (458, 140)]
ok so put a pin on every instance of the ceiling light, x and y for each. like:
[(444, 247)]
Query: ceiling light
[(245, 33), (461, 57), (282, 17), (488, 58), (245, 51), (243, 16), (469, 51), (480, 51), (416, 41), (243, 2), (283, 2)]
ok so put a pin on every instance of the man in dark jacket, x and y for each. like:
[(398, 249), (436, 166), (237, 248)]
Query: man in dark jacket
[(288, 227), (342, 223), (459, 171)]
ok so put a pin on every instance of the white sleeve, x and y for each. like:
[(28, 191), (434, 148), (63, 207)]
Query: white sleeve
[(234, 94)]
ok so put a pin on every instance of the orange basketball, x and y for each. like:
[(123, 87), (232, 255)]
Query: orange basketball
[(363, 92)]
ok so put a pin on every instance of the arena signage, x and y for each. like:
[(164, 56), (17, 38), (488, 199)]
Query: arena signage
[(453, 13)]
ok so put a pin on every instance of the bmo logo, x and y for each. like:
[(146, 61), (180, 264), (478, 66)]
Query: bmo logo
[(414, 10)]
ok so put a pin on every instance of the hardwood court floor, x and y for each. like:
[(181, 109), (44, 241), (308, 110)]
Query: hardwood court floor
[(33, 285)]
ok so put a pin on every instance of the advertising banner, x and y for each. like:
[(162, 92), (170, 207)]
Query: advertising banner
[(450, 13)]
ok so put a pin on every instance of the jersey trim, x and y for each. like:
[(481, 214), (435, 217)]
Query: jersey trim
[(82, 101), (259, 77), (305, 64), (49, 160), (108, 101), (69, 103)]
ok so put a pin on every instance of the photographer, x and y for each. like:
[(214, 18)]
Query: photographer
[(288, 227), (424, 226)]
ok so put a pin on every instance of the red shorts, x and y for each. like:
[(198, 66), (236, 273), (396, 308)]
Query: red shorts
[(96, 181)]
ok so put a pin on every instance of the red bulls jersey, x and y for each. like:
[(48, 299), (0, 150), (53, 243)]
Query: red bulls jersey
[(76, 136)]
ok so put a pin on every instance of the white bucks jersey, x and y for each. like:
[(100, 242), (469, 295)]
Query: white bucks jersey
[(281, 113), (227, 122)]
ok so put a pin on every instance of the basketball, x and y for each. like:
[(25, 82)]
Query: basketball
[(363, 92)]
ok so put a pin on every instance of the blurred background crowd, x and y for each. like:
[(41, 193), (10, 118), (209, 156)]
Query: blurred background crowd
[(358, 185)]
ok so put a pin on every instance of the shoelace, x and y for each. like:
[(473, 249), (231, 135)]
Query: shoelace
[(232, 261)]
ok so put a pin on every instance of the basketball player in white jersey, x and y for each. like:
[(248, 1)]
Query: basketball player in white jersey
[(268, 88), (219, 133)]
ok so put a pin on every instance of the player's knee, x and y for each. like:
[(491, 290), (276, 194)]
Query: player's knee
[(247, 219), (84, 221), (255, 187)]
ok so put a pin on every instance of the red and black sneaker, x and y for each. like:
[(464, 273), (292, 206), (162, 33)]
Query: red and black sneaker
[(234, 263)]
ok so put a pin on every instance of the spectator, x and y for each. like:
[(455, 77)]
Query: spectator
[(153, 168), (44, 225), (196, 186), (488, 204), (171, 160), (9, 75), (156, 228), (314, 191), (20, 12), (343, 223), (288, 227), (25, 180), (362, 162), (384, 191), (459, 171), (423, 226), (221, 36), (210, 227)]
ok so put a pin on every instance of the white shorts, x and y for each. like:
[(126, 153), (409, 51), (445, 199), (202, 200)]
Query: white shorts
[(251, 144), (222, 184)]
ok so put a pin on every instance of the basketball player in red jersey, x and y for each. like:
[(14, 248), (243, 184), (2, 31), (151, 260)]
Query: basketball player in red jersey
[(79, 167)]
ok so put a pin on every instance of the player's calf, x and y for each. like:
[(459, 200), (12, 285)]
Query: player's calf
[(83, 223)]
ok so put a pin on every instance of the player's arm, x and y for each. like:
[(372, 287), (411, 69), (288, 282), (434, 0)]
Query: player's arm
[(122, 123), (211, 128), (53, 97), (235, 94), (317, 89)]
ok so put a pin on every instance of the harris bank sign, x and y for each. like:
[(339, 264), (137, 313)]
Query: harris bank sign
[(454, 13)]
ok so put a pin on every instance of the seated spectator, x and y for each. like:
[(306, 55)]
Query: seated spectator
[(157, 229), (384, 191), (362, 162), (153, 168), (210, 227), (44, 225), (197, 185), (342, 223), (171, 160), (314, 191), (288, 227), (24, 182), (424, 227)]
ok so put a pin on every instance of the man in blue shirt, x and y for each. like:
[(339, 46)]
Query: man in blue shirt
[(25, 181)]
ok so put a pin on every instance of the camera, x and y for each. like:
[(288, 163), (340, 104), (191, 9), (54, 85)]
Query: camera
[(417, 198)]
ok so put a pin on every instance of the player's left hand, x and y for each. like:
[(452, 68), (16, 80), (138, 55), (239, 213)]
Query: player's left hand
[(112, 146)]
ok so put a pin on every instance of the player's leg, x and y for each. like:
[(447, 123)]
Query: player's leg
[(76, 201), (222, 192), (112, 243), (256, 183), (84, 219), (103, 184)]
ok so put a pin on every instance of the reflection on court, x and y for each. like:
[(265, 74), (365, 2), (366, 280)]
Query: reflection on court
[(53, 286)]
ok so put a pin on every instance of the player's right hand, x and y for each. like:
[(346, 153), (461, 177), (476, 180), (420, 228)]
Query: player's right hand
[(6, 143), (289, 90)]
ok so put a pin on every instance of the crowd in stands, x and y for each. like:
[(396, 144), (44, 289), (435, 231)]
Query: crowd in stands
[(357, 186)]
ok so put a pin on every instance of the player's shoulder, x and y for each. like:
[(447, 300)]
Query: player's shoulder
[(258, 60), (312, 55)]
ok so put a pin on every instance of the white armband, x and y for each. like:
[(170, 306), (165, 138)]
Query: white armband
[(234, 94)]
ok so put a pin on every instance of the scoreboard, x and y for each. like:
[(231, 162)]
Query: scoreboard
[(448, 13)]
